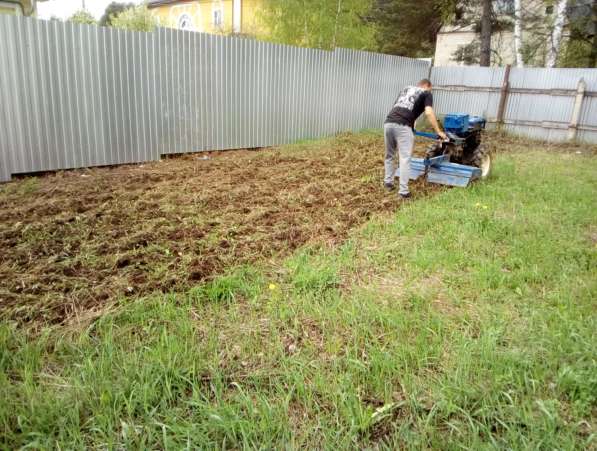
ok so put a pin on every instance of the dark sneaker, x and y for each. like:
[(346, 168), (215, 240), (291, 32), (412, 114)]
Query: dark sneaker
[(405, 196), (389, 186)]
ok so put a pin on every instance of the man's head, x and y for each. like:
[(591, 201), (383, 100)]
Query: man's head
[(425, 84)]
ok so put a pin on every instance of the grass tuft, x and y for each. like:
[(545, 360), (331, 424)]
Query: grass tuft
[(242, 283)]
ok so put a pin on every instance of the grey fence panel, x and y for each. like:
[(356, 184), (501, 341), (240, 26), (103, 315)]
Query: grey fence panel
[(121, 100), (6, 135), (588, 114), (55, 97), (353, 89), (76, 96), (338, 79), (12, 97), (547, 115), (551, 111), (383, 105), (452, 94), (539, 102), (271, 100)]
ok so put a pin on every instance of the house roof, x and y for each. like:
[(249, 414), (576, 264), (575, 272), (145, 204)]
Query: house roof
[(27, 6), (156, 3)]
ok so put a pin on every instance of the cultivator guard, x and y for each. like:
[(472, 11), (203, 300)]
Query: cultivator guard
[(457, 161), (440, 170)]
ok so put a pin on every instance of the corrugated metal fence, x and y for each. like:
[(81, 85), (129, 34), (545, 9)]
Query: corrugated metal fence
[(546, 114), (539, 102), (76, 95), (472, 90)]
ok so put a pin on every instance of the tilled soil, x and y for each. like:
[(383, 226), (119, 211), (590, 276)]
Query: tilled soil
[(79, 240)]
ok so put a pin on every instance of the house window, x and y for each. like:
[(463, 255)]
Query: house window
[(504, 7), (185, 22), (218, 18)]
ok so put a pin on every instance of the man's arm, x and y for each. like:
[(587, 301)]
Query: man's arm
[(433, 121)]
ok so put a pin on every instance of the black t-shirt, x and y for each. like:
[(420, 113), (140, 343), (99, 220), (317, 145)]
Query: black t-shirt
[(409, 105)]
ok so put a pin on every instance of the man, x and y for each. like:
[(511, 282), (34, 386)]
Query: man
[(398, 131)]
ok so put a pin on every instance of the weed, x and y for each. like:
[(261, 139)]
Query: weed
[(308, 275), (226, 288)]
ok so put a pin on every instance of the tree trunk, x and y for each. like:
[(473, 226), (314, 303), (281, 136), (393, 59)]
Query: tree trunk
[(556, 35), (485, 57), (593, 55), (518, 32), (336, 24), (305, 31)]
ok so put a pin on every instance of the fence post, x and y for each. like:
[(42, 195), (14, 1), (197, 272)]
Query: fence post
[(503, 97), (580, 94)]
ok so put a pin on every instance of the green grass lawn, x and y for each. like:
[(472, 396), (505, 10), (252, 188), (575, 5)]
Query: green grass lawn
[(463, 320)]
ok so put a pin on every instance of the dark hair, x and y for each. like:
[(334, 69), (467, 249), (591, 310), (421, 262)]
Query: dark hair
[(424, 82)]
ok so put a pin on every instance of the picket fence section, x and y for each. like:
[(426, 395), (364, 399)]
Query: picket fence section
[(80, 95)]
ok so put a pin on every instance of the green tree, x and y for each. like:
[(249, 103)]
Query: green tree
[(410, 27), (580, 50), (138, 18), (113, 9), (320, 23), (82, 17), (486, 29)]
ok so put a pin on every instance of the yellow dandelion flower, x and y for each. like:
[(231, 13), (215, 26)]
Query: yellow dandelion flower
[(272, 286), (477, 204)]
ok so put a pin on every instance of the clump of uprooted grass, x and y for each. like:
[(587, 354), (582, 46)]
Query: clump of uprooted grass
[(464, 321)]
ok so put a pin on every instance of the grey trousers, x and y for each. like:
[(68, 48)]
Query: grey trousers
[(398, 138)]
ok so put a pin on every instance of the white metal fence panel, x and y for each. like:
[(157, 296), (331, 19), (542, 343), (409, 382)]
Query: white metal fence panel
[(547, 115), (588, 114), (76, 95), (471, 90), (539, 102)]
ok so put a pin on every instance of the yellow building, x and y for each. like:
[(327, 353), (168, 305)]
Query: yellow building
[(18, 7), (209, 16)]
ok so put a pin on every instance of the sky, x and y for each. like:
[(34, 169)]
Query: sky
[(65, 8)]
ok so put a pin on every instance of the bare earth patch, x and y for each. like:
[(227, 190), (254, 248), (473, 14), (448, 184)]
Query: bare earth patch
[(77, 241)]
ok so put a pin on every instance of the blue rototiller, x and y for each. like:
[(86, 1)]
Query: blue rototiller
[(458, 160)]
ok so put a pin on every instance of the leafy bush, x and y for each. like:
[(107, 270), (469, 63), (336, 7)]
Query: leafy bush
[(136, 19), (112, 10), (83, 17)]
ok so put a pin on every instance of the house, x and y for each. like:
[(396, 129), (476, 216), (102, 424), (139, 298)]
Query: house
[(453, 42), (18, 7), (210, 16), (458, 44)]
